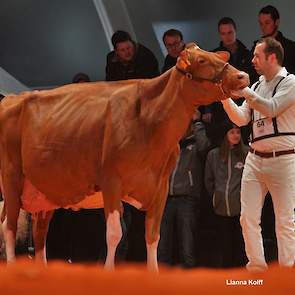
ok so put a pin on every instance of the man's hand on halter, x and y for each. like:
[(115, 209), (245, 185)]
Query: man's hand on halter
[(248, 93)]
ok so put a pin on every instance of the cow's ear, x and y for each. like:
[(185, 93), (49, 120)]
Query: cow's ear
[(224, 55), (192, 45), (183, 61)]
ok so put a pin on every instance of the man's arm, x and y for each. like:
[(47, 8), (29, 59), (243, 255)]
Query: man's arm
[(240, 115), (282, 100), (202, 141)]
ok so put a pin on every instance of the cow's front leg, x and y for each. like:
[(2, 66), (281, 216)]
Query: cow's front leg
[(152, 229), (40, 224), (152, 240)]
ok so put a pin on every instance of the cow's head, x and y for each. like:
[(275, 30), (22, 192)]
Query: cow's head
[(217, 76)]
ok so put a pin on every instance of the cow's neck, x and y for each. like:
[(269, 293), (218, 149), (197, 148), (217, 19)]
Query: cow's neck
[(167, 106)]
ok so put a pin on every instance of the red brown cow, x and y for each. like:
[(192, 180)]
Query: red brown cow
[(120, 138)]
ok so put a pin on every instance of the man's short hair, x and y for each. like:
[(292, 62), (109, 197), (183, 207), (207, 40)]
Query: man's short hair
[(172, 33), (227, 21), (269, 9), (120, 36), (273, 46), (80, 77)]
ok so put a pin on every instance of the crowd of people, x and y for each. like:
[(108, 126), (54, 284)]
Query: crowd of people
[(222, 193)]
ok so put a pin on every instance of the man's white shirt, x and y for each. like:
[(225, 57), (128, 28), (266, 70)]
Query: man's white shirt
[(265, 107)]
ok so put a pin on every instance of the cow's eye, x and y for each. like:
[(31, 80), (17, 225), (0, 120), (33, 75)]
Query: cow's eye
[(201, 60)]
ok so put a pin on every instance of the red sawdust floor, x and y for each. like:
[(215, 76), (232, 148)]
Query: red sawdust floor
[(26, 277)]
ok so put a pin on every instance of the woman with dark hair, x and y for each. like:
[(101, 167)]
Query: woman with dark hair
[(223, 173)]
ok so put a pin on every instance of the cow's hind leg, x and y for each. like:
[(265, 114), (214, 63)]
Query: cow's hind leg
[(152, 229), (113, 237), (112, 208), (12, 183), (40, 224)]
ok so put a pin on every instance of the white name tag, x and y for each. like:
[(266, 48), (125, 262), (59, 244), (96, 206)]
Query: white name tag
[(263, 127)]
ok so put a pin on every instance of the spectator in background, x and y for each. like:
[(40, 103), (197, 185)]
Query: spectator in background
[(180, 221), (80, 78), (240, 57), (269, 22), (177, 242), (129, 60), (223, 173), (173, 41)]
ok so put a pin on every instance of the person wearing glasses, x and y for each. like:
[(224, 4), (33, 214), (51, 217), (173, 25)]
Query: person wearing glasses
[(173, 41)]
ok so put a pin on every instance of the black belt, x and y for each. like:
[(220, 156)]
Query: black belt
[(271, 154)]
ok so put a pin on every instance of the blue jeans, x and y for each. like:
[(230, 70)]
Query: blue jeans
[(179, 231)]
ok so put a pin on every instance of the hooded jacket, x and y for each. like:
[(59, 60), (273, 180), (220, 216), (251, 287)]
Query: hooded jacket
[(223, 181), (187, 177)]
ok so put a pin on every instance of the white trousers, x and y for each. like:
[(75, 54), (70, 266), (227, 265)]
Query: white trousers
[(276, 175)]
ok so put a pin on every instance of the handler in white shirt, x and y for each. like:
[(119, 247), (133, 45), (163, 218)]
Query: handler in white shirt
[(270, 165)]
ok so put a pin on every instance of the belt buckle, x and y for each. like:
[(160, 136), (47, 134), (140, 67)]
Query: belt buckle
[(274, 154)]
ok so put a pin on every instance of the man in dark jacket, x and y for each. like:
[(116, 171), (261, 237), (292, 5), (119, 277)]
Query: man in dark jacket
[(269, 21), (130, 60), (173, 41), (179, 227), (240, 57)]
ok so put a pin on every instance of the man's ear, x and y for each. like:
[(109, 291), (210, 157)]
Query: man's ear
[(272, 57)]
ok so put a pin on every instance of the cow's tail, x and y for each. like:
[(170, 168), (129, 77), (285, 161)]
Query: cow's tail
[(3, 211), (107, 135)]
